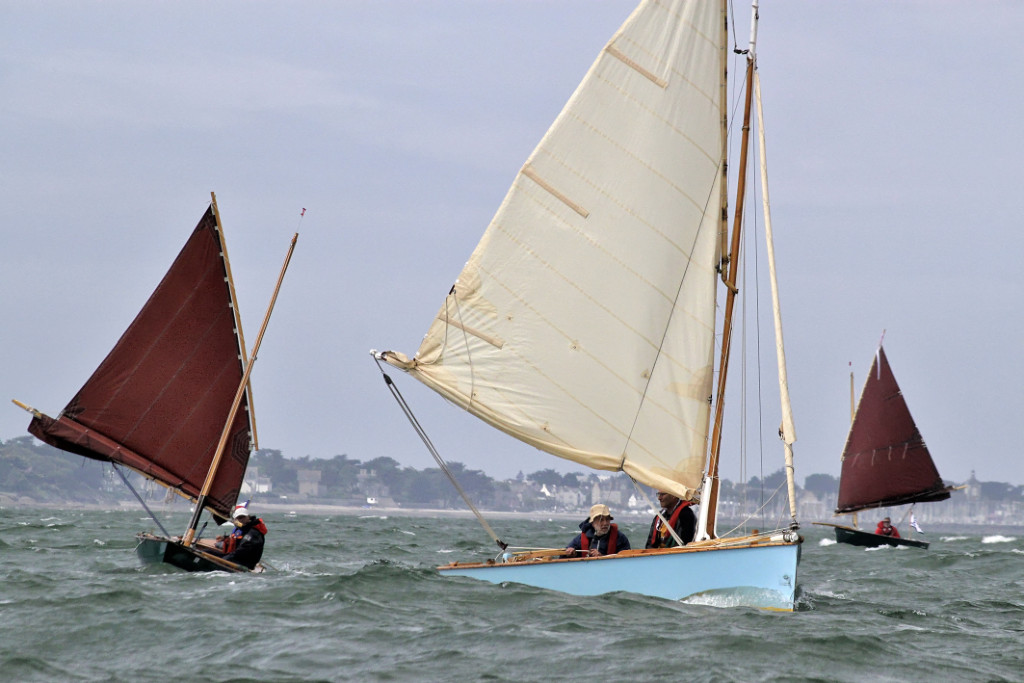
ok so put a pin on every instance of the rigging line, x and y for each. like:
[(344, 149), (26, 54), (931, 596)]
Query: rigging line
[(139, 498), (465, 338), (759, 511), (757, 340), (437, 456), (744, 374), (732, 25), (657, 512), (672, 313)]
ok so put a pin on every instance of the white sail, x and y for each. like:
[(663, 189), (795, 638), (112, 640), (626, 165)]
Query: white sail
[(583, 323)]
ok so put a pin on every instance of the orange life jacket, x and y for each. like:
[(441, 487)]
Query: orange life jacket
[(231, 542), (656, 527)]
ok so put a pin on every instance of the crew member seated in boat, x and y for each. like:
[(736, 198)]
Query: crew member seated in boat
[(679, 516), (598, 536), (244, 545), (885, 528)]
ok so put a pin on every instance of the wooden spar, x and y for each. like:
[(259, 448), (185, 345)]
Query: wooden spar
[(853, 410), (710, 503), (201, 501), (26, 407), (787, 430), (723, 108), (236, 313)]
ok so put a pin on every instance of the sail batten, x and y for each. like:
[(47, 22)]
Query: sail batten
[(885, 459)]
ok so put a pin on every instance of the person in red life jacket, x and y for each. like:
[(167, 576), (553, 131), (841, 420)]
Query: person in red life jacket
[(244, 545), (885, 528), (679, 515), (598, 536)]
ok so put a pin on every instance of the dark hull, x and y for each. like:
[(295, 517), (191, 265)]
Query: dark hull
[(866, 539), (156, 549)]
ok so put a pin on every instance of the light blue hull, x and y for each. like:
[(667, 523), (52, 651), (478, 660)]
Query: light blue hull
[(761, 576)]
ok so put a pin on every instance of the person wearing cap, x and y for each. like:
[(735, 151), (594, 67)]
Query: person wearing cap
[(598, 536), (679, 516), (245, 544), (885, 528)]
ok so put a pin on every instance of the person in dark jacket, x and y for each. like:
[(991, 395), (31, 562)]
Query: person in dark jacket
[(598, 536), (679, 515), (245, 544), (885, 528)]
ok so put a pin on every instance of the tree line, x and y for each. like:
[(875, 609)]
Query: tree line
[(32, 470)]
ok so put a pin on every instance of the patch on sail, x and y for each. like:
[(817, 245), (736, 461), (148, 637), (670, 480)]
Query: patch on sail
[(699, 389)]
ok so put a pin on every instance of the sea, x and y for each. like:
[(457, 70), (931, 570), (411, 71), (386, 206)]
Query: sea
[(354, 596)]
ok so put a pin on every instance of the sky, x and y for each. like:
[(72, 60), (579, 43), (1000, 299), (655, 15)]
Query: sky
[(894, 145)]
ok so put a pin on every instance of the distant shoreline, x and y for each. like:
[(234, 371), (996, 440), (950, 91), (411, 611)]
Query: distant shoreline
[(633, 517), (279, 509)]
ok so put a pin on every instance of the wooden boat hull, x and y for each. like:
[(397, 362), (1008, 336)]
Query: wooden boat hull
[(157, 549), (867, 539), (761, 574)]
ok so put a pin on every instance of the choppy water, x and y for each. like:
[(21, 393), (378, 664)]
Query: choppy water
[(356, 598)]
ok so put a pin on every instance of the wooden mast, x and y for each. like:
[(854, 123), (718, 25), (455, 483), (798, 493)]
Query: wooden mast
[(201, 501), (710, 500), (853, 408), (236, 313)]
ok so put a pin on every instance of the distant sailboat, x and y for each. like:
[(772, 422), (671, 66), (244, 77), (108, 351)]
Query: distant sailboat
[(885, 461), (172, 399), (584, 323)]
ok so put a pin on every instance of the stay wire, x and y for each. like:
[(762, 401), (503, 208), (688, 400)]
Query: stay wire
[(437, 456), (139, 498)]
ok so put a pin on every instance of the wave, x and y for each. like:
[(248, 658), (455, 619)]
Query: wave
[(998, 539)]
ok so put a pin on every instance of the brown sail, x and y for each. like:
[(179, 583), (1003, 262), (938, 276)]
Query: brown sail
[(159, 401), (885, 462)]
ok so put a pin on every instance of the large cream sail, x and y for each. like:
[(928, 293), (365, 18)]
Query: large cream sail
[(583, 323)]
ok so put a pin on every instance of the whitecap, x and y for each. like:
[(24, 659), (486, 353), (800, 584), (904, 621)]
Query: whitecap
[(827, 541), (998, 539), (949, 539)]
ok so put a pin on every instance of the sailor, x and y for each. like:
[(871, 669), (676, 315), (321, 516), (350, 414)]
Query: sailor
[(598, 536), (885, 528), (679, 516), (245, 544)]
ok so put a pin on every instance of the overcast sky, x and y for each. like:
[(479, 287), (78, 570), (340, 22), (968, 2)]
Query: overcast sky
[(894, 133)]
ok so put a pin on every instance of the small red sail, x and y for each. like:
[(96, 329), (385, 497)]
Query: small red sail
[(159, 401), (885, 461)]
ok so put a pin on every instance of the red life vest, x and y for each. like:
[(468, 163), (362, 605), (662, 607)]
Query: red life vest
[(671, 521), (231, 542), (613, 541), (880, 530)]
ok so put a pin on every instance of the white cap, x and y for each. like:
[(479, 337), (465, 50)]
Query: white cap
[(240, 511)]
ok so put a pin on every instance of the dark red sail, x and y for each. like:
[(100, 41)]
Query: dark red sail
[(159, 401), (885, 461)]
